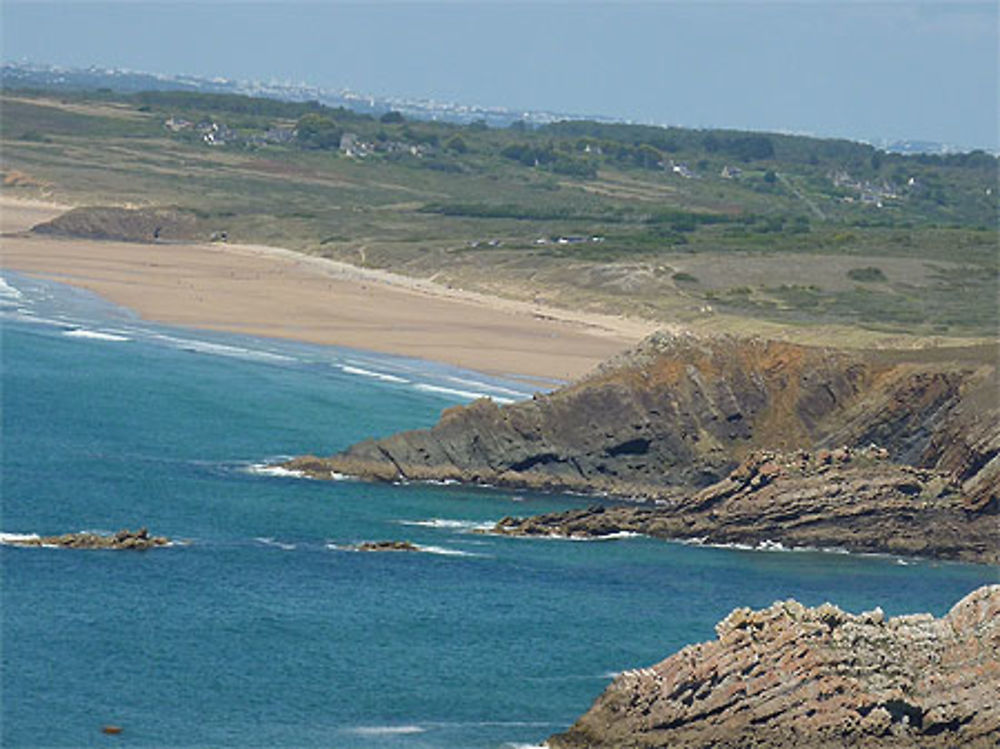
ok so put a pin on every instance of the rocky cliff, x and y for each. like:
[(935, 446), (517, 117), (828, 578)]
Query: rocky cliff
[(791, 676), (681, 412)]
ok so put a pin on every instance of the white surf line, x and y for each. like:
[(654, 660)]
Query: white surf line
[(488, 386), (473, 395), (265, 469), (447, 524), (13, 538), (386, 730), (9, 292), (221, 349), (95, 335), (383, 376)]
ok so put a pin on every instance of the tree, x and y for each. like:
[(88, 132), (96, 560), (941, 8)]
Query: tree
[(317, 131), (457, 144), (392, 118), (648, 157)]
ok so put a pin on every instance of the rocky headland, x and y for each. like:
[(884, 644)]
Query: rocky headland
[(791, 676), (139, 540), (739, 441)]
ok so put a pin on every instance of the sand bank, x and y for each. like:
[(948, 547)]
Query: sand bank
[(278, 293)]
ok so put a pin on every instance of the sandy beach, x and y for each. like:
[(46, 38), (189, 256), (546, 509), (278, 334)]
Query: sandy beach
[(272, 292)]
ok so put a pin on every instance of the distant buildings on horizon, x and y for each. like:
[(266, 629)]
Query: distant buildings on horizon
[(120, 79)]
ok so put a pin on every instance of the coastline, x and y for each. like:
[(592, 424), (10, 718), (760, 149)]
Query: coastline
[(277, 293)]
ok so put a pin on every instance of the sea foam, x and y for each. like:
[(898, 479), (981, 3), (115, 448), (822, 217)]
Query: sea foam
[(96, 335), (12, 538), (9, 292), (384, 377), (446, 524), (443, 551), (220, 349), (471, 394), (487, 386), (268, 541), (385, 730), (264, 469)]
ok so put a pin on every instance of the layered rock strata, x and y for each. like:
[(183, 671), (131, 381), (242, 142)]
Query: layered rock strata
[(683, 412), (139, 540), (849, 499), (791, 676), (680, 414)]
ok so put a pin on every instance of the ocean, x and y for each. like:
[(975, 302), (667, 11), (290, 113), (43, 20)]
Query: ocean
[(260, 627)]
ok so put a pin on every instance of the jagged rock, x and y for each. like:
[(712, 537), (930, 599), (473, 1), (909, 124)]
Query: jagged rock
[(863, 504), (682, 412), (139, 540), (726, 416), (791, 676)]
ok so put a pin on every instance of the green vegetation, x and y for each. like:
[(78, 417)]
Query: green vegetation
[(871, 274), (766, 226)]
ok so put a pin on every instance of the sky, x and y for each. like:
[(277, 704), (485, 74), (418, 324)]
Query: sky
[(847, 68)]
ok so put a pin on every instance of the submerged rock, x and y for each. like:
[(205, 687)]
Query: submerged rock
[(139, 540), (791, 676)]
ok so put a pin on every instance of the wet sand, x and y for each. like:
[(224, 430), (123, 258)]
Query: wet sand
[(277, 293)]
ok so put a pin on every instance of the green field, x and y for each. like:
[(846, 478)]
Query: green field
[(717, 229)]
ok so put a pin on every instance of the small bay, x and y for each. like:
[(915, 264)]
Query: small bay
[(260, 627)]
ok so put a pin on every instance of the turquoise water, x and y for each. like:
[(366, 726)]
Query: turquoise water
[(264, 631)]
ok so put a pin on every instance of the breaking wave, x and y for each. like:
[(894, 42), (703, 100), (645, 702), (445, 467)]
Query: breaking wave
[(96, 335)]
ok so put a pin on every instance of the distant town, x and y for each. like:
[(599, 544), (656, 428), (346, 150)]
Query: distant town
[(28, 74)]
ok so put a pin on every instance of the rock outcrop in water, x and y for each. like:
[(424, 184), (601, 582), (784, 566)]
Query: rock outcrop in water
[(791, 676), (854, 500), (679, 414), (139, 540), (386, 546)]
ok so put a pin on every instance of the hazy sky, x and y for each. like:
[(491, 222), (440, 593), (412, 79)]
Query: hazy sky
[(854, 69)]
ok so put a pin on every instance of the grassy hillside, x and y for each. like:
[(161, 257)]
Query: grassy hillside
[(719, 229)]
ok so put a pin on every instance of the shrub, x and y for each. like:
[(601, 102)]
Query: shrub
[(870, 274)]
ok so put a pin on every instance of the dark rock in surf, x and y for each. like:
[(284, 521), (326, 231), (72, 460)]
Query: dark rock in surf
[(139, 540)]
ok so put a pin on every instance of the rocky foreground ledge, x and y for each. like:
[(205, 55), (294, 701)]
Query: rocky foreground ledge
[(791, 676), (139, 540)]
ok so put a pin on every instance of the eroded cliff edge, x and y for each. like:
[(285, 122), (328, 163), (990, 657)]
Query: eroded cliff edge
[(791, 676), (680, 413)]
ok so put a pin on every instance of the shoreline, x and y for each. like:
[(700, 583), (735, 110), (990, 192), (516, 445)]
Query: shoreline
[(277, 293)]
